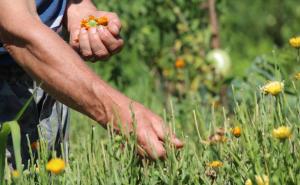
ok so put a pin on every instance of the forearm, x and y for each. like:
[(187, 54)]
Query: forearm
[(48, 59)]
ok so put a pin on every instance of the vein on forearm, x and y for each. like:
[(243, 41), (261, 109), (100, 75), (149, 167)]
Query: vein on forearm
[(49, 59)]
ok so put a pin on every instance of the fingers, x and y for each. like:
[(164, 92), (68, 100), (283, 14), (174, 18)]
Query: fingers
[(114, 25), (74, 39), (112, 43), (97, 47), (84, 44), (150, 143), (96, 42), (164, 132)]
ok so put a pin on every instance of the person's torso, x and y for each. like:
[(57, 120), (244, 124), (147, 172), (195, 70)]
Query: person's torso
[(51, 13)]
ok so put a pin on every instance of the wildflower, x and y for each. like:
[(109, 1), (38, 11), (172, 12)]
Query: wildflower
[(211, 173), (218, 137), (273, 88), (167, 72), (92, 21), (262, 180), (15, 174), (180, 63), (295, 42), (102, 21), (297, 76), (84, 24), (34, 145), (37, 169), (56, 165), (215, 164), (248, 182), (282, 132), (236, 131)]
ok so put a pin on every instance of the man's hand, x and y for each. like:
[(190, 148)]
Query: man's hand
[(97, 42), (149, 128)]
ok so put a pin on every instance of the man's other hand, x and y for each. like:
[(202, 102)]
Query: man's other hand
[(151, 131), (97, 43)]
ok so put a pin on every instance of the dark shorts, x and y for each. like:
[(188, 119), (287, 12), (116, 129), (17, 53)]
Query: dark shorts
[(44, 112)]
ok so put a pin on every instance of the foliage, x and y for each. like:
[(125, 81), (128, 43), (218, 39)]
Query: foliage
[(110, 160), (157, 34)]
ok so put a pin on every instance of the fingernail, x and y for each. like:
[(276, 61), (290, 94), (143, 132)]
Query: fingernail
[(93, 30), (177, 142), (100, 28), (83, 30)]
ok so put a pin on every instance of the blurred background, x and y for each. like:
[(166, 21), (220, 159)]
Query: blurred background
[(169, 44), (192, 53)]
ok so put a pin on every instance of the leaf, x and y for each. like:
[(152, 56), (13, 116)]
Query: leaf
[(13, 128), (7, 128)]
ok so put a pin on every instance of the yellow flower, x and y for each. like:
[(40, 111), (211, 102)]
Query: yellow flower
[(273, 88), (166, 72), (56, 165), (215, 164), (248, 182), (264, 180), (295, 42), (236, 131), (15, 174), (282, 132), (180, 63), (37, 169), (297, 76)]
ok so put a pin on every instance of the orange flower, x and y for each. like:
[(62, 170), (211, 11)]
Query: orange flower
[(34, 145), (84, 24), (92, 21), (180, 63), (236, 131), (91, 17), (102, 21)]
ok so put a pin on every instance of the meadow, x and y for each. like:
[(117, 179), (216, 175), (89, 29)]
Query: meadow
[(239, 120)]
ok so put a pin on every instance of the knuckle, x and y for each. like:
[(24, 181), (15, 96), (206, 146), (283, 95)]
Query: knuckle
[(94, 36), (105, 36), (114, 47), (114, 15), (84, 36), (86, 54), (101, 54), (161, 153), (74, 45)]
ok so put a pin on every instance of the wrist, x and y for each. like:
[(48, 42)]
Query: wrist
[(76, 11), (108, 103)]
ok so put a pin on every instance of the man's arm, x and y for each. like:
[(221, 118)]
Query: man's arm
[(47, 58)]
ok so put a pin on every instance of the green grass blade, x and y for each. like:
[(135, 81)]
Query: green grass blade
[(20, 113), (13, 128), (16, 137), (3, 142)]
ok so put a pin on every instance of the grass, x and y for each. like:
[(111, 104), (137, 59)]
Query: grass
[(98, 157)]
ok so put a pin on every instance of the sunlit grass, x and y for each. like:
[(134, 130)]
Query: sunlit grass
[(98, 157)]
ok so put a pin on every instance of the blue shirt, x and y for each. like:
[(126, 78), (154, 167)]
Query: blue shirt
[(51, 13)]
